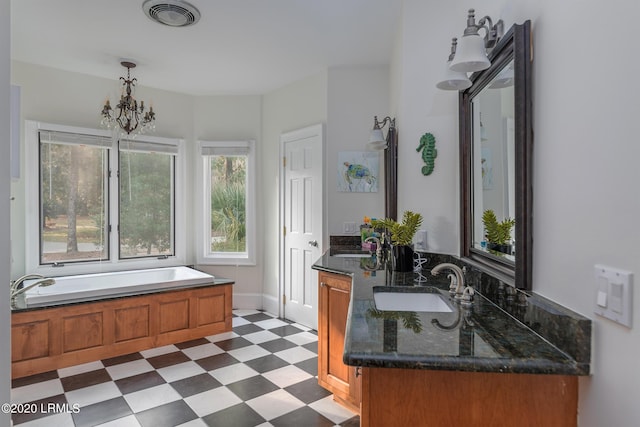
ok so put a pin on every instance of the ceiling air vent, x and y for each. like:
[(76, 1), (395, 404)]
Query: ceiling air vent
[(175, 13)]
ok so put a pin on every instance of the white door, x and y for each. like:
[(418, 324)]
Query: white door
[(303, 222)]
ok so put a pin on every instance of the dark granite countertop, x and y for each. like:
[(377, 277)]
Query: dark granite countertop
[(20, 304), (482, 338)]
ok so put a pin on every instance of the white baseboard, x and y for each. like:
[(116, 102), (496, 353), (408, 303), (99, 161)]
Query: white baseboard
[(271, 304)]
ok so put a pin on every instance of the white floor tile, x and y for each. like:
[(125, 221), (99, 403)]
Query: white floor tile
[(180, 371), (93, 394), (159, 351), (242, 312), (332, 410), (295, 354), (248, 353), (221, 337), (80, 369), (57, 420), (286, 376), (260, 337), (239, 321), (212, 401), (233, 373), (129, 369), (302, 338), (37, 391), (274, 404), (271, 323), (129, 421), (202, 351), (151, 397)]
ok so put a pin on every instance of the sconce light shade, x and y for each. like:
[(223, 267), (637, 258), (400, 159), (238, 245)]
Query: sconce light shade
[(471, 55), (453, 80), (376, 140)]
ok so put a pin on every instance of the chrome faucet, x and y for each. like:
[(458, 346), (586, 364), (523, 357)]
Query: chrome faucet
[(15, 284), (42, 282), (378, 244), (462, 293)]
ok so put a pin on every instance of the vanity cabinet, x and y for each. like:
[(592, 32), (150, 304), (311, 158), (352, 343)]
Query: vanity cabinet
[(417, 397), (333, 305)]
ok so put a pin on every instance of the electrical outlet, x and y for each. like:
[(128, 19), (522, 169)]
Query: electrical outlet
[(349, 227), (614, 294)]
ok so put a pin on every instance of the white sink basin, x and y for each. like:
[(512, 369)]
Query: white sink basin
[(410, 301), (352, 255)]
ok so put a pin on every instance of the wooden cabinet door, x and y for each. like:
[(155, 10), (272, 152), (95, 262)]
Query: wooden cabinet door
[(333, 305)]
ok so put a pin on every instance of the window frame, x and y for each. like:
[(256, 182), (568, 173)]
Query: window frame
[(204, 255), (114, 263)]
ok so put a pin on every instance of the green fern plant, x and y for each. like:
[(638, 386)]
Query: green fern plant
[(497, 232), (401, 233)]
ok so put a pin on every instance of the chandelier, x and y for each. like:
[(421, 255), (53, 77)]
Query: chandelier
[(130, 116)]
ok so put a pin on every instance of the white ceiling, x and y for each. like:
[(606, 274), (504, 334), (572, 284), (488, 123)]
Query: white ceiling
[(238, 47)]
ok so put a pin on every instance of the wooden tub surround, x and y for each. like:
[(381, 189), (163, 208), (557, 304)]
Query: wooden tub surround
[(51, 338)]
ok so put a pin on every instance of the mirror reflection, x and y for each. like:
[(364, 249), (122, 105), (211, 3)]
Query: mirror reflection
[(493, 166)]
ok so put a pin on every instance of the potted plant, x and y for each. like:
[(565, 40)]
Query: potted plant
[(401, 238), (498, 234)]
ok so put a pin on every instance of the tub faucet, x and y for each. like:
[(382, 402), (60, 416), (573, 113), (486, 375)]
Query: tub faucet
[(15, 284), (42, 282), (462, 293)]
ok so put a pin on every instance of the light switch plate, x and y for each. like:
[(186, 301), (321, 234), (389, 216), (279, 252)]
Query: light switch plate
[(613, 294)]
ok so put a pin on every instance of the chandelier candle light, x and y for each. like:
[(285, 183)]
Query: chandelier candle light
[(130, 116)]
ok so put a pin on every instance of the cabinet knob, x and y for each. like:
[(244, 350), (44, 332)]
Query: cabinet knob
[(357, 371), (322, 284)]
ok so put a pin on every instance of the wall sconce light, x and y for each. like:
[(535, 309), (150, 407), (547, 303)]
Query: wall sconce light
[(471, 54), (377, 140), (453, 80)]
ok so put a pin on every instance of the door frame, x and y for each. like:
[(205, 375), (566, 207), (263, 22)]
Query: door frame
[(309, 131)]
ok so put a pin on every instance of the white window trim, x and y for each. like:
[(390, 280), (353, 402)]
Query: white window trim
[(32, 208), (203, 254)]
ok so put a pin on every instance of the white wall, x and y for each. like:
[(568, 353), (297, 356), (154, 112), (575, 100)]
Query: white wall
[(586, 204), (5, 225), (355, 96), (232, 118), (295, 106)]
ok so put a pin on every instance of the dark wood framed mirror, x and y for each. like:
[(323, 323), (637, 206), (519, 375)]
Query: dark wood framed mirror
[(496, 142)]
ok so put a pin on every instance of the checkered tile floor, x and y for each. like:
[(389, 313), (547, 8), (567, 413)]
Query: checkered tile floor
[(261, 374)]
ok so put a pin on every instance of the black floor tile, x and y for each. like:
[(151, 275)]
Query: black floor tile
[(40, 407), (196, 384), (266, 363), (308, 391), (247, 329), (122, 359), (257, 317), (168, 359), (240, 415), (252, 387), (352, 422), (312, 346), (275, 346), (102, 412), (85, 379), (304, 416), (169, 415), (32, 379), (217, 361), (310, 366), (192, 343), (283, 331), (139, 382), (233, 343)]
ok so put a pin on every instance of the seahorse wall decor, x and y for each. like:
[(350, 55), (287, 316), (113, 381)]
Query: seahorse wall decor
[(429, 152)]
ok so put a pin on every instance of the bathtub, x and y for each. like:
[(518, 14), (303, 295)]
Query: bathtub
[(88, 287)]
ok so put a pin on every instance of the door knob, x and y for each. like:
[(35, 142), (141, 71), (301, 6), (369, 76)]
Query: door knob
[(313, 243)]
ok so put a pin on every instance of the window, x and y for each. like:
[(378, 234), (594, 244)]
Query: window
[(227, 170), (146, 199), (102, 201), (74, 175)]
